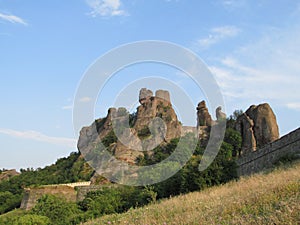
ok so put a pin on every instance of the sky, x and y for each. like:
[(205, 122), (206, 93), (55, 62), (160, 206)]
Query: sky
[(252, 48)]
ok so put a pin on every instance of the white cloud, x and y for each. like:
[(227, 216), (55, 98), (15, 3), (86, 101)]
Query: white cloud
[(85, 99), (67, 107), (12, 19), (37, 136), (218, 34), (106, 8)]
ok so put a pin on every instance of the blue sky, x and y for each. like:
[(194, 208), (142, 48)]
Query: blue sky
[(251, 47)]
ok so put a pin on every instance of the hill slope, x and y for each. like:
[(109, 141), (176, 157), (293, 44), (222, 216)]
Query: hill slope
[(260, 199)]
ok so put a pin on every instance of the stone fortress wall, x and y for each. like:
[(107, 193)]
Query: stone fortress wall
[(68, 191), (266, 156)]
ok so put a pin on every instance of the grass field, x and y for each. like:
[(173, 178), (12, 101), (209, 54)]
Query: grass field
[(272, 198)]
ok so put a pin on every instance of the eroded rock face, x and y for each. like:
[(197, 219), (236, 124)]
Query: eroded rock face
[(155, 123), (145, 94), (265, 124), (203, 116), (162, 94), (258, 127), (245, 126)]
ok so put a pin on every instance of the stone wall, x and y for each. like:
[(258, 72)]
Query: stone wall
[(31, 195), (268, 155), (82, 191), (72, 192)]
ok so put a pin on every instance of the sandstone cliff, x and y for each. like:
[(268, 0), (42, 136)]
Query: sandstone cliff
[(258, 127)]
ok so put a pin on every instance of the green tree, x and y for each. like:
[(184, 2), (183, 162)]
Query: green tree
[(234, 138), (101, 202), (58, 210), (9, 201), (232, 118)]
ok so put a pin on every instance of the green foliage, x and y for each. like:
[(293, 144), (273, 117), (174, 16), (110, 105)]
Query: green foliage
[(102, 202), (232, 118), (11, 217), (58, 210), (235, 139), (9, 201), (32, 220), (65, 170), (109, 139), (115, 200), (144, 132), (160, 153), (189, 178), (132, 119)]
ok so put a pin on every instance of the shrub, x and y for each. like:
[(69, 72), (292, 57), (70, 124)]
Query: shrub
[(32, 219), (56, 209)]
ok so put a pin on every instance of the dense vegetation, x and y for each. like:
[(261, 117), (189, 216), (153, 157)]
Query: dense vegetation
[(65, 170)]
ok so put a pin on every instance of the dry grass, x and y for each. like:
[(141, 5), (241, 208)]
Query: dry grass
[(272, 198)]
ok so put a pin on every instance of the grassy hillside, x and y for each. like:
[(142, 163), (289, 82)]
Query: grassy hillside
[(272, 198)]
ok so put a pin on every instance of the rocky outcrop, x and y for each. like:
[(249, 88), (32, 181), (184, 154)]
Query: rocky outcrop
[(258, 127), (245, 126), (145, 94), (126, 136), (203, 116), (6, 175), (164, 95), (159, 107)]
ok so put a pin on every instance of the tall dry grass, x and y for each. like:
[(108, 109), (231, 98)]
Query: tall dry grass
[(272, 198)]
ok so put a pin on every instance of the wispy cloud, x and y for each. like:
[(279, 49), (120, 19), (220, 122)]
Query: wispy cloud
[(218, 34), (67, 107), (233, 4), (12, 19), (37, 136), (267, 70), (85, 99), (294, 105), (106, 8)]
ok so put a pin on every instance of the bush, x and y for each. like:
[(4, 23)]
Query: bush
[(9, 201), (32, 219), (56, 209), (115, 200)]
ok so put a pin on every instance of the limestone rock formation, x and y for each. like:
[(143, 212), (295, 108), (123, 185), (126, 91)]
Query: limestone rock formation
[(162, 94), (245, 126), (144, 95), (258, 127), (158, 107), (154, 123), (203, 116)]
